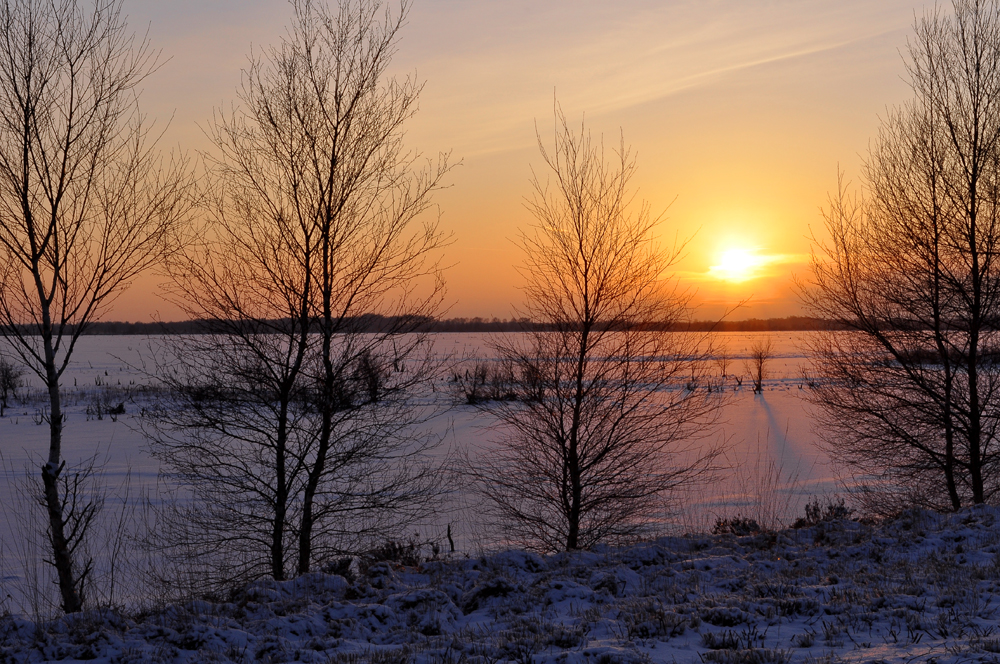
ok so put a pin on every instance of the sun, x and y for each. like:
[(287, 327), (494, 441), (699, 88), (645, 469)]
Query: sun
[(737, 265)]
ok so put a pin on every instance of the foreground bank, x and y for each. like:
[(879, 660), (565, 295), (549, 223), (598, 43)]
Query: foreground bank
[(922, 586)]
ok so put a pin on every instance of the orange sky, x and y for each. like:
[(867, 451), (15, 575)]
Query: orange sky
[(739, 112)]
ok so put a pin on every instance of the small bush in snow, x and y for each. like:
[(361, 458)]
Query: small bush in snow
[(489, 381), (725, 616), (737, 525), (816, 512)]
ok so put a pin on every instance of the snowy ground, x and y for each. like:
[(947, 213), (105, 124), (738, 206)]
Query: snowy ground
[(776, 464), (921, 588), (760, 429)]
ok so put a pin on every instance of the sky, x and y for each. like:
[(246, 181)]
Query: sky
[(739, 112)]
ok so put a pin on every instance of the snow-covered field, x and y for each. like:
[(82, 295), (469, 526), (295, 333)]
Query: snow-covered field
[(775, 466), (920, 589), (773, 428)]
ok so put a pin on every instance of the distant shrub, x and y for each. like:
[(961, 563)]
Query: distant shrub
[(738, 525), (10, 380), (370, 375), (725, 616), (564, 637), (816, 512), (106, 401), (745, 640), (725, 640), (344, 566), (486, 381), (389, 655)]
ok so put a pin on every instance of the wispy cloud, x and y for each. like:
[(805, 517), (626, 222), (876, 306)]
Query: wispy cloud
[(604, 61)]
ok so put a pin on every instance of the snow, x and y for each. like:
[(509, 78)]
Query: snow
[(918, 588), (773, 426), (915, 589)]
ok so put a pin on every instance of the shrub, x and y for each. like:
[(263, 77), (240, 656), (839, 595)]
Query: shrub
[(486, 381), (10, 380), (738, 525), (830, 510)]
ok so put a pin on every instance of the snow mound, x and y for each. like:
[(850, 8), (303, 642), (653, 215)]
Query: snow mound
[(921, 588)]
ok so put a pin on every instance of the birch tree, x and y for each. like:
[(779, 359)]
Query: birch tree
[(321, 218), (911, 396), (604, 427), (86, 204)]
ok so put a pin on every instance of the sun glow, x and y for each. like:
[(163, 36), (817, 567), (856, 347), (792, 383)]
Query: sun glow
[(738, 265)]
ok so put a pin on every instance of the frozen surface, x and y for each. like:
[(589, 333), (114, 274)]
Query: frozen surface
[(773, 464)]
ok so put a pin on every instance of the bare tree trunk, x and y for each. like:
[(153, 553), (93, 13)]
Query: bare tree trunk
[(62, 558), (318, 467), (979, 152), (307, 520), (281, 494), (573, 460), (947, 418), (975, 423), (949, 466), (940, 339), (327, 379)]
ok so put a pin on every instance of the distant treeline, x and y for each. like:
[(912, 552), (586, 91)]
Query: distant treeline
[(789, 324), (376, 323)]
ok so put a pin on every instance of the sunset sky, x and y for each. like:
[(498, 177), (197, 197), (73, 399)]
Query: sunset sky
[(739, 112)]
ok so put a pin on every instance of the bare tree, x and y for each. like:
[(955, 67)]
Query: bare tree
[(761, 352), (910, 397), (86, 204), (310, 281), (722, 360), (602, 428), (363, 197), (232, 433)]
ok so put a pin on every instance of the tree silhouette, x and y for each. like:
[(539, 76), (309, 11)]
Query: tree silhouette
[(86, 204), (307, 440), (599, 434), (910, 395)]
